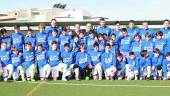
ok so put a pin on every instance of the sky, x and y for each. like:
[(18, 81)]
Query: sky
[(113, 9)]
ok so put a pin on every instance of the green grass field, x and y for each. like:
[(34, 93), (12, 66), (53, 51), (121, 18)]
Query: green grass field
[(86, 88)]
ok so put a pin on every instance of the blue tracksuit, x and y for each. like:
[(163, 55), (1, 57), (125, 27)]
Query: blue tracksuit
[(142, 32), (134, 64), (42, 37), (101, 45), (95, 57), (54, 57), (160, 44), (16, 60), (125, 43), (5, 57), (41, 58), (136, 47), (148, 45), (18, 40), (8, 40), (68, 57), (166, 32), (32, 40), (50, 29), (133, 31), (108, 60), (105, 30), (63, 40), (83, 59), (52, 38), (28, 57), (166, 67)]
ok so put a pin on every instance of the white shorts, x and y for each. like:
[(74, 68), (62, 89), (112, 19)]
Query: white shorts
[(7, 68), (19, 71), (168, 74), (97, 69), (30, 71), (108, 71), (44, 70), (70, 70), (55, 70)]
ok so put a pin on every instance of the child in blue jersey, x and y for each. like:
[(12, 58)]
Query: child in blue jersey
[(166, 67), (30, 38), (82, 39), (29, 61), (83, 62), (136, 46), (90, 41), (43, 66), (145, 30), (101, 43), (108, 63), (68, 58), (120, 66), (132, 30), (132, 67), (74, 46), (157, 61), (148, 44), (5, 61), (17, 64), (42, 37), (52, 37), (117, 30), (95, 57), (63, 39), (160, 43), (17, 38), (125, 42), (55, 62), (145, 65), (114, 44), (6, 38), (166, 29)]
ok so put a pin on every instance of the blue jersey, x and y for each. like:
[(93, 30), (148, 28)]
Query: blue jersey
[(106, 30), (67, 57), (125, 43), (160, 44), (133, 31), (54, 57), (144, 62), (95, 57), (16, 60), (136, 47), (166, 32), (101, 45), (5, 57), (142, 32), (166, 67), (167, 48), (41, 58), (8, 40), (63, 40), (148, 45), (32, 40), (42, 37), (108, 60), (90, 43), (50, 29), (114, 48), (28, 57), (18, 40), (157, 61), (121, 66), (83, 59), (74, 46), (133, 64), (51, 39), (117, 33)]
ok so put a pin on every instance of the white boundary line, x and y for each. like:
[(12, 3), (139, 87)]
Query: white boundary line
[(102, 85)]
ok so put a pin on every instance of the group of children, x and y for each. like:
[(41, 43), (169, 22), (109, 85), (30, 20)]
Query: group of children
[(130, 54)]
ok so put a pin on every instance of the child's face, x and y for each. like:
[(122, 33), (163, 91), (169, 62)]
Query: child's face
[(66, 48), (81, 35), (15, 52), (147, 38), (137, 39), (113, 37), (42, 29), (102, 23), (107, 48), (54, 33), (96, 48), (4, 34), (124, 33), (100, 38), (63, 32), (119, 58), (29, 33), (159, 37), (91, 35), (132, 56), (3, 46), (76, 39), (82, 49), (39, 48), (131, 25), (156, 54), (28, 47), (54, 46), (168, 58)]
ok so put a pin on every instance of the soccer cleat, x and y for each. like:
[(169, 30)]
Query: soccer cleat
[(87, 78)]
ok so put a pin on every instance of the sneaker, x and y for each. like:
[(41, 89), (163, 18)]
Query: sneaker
[(87, 78), (64, 79)]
